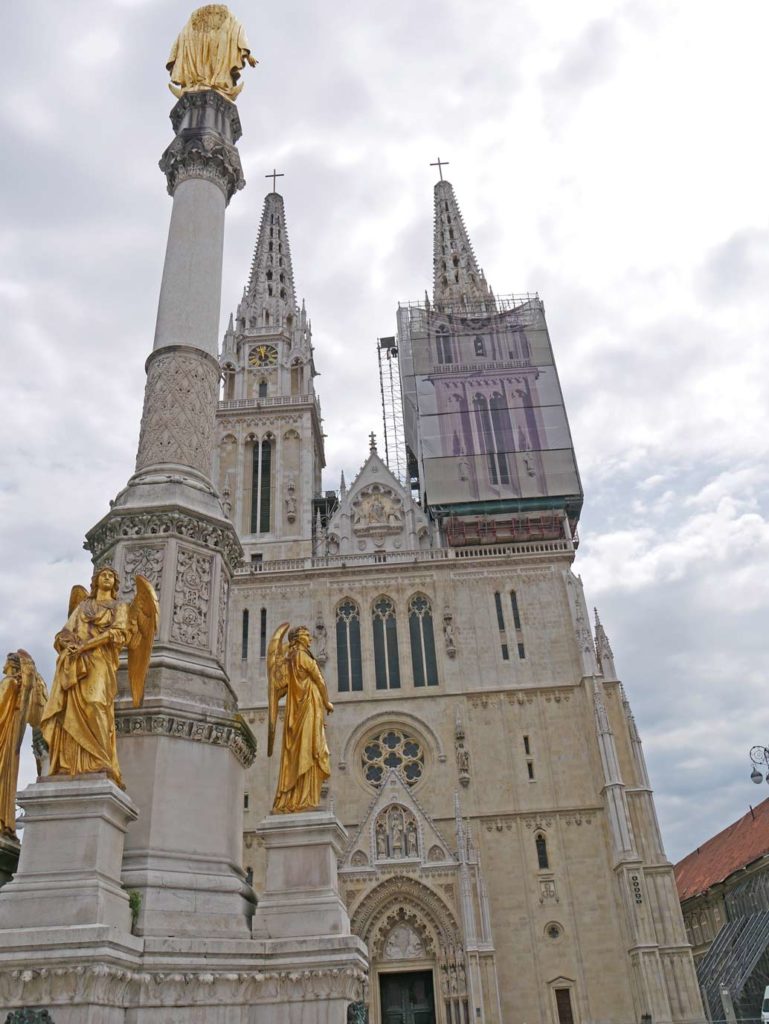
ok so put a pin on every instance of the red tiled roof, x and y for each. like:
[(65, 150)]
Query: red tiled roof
[(738, 845)]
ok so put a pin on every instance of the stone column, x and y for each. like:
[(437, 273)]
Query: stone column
[(182, 754)]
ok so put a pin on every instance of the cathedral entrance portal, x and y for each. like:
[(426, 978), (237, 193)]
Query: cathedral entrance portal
[(407, 997)]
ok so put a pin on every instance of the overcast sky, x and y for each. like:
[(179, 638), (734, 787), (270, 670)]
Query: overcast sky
[(611, 156)]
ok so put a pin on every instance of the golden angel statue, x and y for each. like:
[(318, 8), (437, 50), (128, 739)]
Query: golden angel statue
[(22, 697), (208, 53), (78, 721), (293, 672)]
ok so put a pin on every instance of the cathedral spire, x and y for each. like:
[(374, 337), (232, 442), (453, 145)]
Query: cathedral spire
[(457, 279), (269, 298)]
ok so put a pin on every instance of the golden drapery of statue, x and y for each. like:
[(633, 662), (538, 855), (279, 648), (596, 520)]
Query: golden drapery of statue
[(305, 764), (78, 722), (208, 53), (22, 697)]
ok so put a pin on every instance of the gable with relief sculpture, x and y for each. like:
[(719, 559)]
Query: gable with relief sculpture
[(377, 513)]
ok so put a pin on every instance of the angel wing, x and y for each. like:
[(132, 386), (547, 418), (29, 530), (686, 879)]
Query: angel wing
[(76, 595), (143, 615), (277, 680), (28, 677)]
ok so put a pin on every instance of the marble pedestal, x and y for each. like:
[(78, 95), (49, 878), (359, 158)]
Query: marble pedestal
[(70, 862), (301, 894), (9, 858)]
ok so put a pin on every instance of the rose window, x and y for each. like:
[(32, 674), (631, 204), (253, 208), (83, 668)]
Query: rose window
[(393, 749)]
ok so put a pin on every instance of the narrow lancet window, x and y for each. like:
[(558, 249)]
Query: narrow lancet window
[(542, 859), (422, 639), (261, 487), (348, 649), (244, 637), (386, 668)]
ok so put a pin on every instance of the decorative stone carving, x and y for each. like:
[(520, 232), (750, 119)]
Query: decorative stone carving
[(29, 1017), (192, 594), (376, 512), (226, 502), (547, 891), (403, 943), (396, 834), (360, 859), (221, 630), (321, 639), (237, 737), (147, 561), (104, 985), (206, 150), (462, 754), (435, 853), (179, 403), (290, 501), (448, 633), (116, 526)]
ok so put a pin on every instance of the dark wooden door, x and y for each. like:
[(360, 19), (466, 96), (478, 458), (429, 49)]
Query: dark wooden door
[(407, 998)]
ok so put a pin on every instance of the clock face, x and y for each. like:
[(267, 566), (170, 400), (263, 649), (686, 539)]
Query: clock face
[(263, 355)]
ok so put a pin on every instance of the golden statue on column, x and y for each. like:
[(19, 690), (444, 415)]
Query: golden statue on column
[(305, 764), (22, 697), (209, 53), (78, 722)]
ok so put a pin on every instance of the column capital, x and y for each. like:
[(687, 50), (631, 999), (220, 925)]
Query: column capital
[(207, 127)]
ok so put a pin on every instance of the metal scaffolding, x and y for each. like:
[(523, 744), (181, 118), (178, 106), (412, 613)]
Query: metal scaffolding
[(392, 408)]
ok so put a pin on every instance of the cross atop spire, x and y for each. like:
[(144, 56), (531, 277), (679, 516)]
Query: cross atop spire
[(269, 300), (440, 164), (274, 174), (458, 281)]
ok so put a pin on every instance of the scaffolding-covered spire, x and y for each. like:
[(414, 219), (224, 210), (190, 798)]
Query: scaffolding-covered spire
[(269, 299), (457, 278)]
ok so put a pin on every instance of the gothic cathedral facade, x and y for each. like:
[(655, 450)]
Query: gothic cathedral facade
[(504, 861)]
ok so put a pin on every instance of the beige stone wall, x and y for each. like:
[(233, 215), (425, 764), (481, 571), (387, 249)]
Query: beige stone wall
[(583, 894)]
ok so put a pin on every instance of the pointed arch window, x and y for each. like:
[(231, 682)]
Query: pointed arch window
[(443, 343), (348, 650), (386, 669), (543, 861), (422, 639), (480, 346), (261, 486), (262, 388)]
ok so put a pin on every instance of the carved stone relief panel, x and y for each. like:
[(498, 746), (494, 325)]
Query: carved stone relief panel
[(376, 512), (146, 561), (192, 596), (403, 943), (396, 834)]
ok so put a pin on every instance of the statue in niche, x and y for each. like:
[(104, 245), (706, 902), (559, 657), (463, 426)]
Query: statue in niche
[(291, 501), (78, 721), (448, 633), (209, 53), (403, 943), (226, 503), (381, 840), (321, 640), (22, 697), (412, 846), (305, 764), (396, 834)]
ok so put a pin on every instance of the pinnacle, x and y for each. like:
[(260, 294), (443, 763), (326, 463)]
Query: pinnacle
[(269, 298), (457, 278)]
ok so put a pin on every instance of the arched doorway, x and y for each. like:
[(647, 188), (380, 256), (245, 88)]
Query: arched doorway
[(417, 961)]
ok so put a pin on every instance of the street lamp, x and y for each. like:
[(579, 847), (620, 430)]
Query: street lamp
[(759, 756)]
